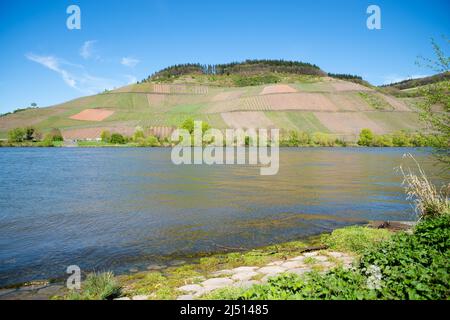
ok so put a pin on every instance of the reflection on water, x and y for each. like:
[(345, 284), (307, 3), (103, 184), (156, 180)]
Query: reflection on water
[(117, 208)]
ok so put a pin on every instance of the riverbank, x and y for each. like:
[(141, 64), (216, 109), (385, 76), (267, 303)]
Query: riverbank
[(236, 270)]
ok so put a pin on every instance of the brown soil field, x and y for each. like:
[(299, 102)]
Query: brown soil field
[(397, 104), (301, 101), (93, 115), (279, 88), (348, 122), (348, 86), (224, 96), (161, 132), (94, 133), (247, 120)]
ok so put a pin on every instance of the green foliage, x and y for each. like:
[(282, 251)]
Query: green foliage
[(105, 136), (150, 141), (355, 239), (375, 101), (399, 139), (415, 266), (407, 267), (256, 80), (248, 67), (55, 135), (138, 134), (323, 139), (365, 137), (117, 138), (16, 135), (97, 286)]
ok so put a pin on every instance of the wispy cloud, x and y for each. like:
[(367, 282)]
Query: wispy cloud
[(73, 75), (129, 62), (393, 78), (53, 64), (87, 50)]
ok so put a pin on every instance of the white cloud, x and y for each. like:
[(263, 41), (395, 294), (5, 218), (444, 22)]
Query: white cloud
[(87, 49), (129, 62), (73, 75), (53, 64), (394, 78)]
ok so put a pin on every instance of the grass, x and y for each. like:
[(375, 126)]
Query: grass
[(375, 101), (97, 286), (355, 239)]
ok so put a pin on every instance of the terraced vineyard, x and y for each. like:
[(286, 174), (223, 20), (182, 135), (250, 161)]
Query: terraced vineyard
[(310, 104)]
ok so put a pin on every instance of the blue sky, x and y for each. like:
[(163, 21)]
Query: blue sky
[(120, 41)]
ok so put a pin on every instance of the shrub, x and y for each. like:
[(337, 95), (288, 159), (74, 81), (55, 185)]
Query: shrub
[(323, 139), (117, 138), (366, 137), (407, 266), (16, 135), (401, 139), (355, 239), (105, 136), (55, 135), (98, 286), (138, 134), (428, 201)]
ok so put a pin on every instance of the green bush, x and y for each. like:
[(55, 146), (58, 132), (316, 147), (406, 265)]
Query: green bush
[(401, 139), (366, 137), (323, 140), (406, 267), (355, 239), (16, 135), (97, 286), (117, 138), (55, 135), (105, 136)]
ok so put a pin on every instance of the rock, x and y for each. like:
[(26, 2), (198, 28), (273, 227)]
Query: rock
[(299, 271), (293, 264), (217, 282), (51, 290), (299, 258), (272, 270), (327, 264), (225, 272), (191, 288), (142, 297), (177, 262), (275, 263), (133, 270), (186, 297), (244, 269), (123, 298), (310, 254), (335, 254), (321, 258), (155, 267), (244, 276), (245, 284)]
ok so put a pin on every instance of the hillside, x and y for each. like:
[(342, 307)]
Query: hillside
[(235, 97)]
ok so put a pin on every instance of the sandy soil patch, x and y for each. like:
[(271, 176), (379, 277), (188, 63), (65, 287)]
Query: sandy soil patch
[(224, 96), (348, 122), (279, 88), (93, 115), (94, 133), (301, 101), (247, 120), (397, 104), (348, 86)]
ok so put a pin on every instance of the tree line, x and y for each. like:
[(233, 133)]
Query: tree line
[(247, 67)]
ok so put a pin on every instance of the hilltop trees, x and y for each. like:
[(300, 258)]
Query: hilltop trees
[(248, 67)]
